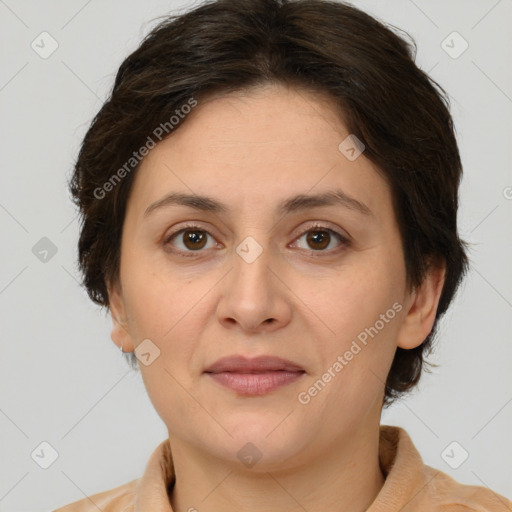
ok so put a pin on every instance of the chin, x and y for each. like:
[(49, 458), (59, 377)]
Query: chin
[(261, 444)]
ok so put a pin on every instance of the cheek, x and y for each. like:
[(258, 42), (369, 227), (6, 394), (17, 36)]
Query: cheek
[(355, 299), (363, 315), (159, 302), (362, 308), (166, 311)]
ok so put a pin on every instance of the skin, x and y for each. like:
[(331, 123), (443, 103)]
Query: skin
[(250, 150)]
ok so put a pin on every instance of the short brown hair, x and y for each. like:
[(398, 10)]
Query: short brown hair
[(399, 113)]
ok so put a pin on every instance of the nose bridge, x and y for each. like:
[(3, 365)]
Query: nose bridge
[(252, 260), (252, 297)]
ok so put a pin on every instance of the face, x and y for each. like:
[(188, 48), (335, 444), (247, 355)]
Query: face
[(323, 286)]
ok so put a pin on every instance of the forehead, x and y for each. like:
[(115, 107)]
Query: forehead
[(271, 115), (261, 145)]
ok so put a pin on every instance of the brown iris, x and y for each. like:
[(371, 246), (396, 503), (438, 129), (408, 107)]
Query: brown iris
[(196, 238), (319, 237)]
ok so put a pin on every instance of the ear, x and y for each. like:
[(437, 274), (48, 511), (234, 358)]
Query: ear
[(120, 333), (422, 308)]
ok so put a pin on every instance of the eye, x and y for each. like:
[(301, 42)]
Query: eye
[(192, 237), (319, 237)]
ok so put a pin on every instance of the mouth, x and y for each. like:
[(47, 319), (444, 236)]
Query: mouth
[(254, 377)]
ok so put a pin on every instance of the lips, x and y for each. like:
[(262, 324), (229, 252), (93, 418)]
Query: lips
[(254, 377), (261, 364)]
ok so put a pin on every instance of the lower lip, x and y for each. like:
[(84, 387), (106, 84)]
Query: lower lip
[(254, 384)]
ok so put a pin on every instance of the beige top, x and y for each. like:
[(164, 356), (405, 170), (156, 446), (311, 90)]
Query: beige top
[(410, 485)]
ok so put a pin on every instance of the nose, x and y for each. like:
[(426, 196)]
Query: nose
[(254, 299)]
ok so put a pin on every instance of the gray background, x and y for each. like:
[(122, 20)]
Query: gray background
[(63, 380)]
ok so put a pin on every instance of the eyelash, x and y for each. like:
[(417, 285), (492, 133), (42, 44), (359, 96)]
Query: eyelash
[(345, 242)]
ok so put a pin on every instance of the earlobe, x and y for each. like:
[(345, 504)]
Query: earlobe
[(120, 334), (421, 314)]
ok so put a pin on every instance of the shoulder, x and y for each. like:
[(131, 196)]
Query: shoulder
[(119, 499), (412, 485), (452, 496)]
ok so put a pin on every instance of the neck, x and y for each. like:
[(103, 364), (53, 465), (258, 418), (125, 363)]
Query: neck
[(346, 477)]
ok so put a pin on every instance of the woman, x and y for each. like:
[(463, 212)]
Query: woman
[(269, 203)]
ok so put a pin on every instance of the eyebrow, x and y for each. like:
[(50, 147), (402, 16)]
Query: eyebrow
[(293, 204)]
